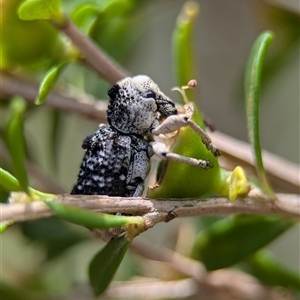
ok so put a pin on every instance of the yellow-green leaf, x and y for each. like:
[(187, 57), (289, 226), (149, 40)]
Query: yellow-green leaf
[(16, 143), (48, 82), (8, 182), (182, 46), (4, 225), (41, 9), (252, 97), (90, 219), (84, 13)]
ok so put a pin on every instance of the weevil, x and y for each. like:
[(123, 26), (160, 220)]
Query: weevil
[(117, 156)]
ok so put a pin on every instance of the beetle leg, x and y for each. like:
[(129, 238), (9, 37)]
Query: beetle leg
[(161, 150), (175, 122), (204, 137), (139, 190)]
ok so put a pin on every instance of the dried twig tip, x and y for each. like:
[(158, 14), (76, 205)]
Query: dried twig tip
[(192, 83)]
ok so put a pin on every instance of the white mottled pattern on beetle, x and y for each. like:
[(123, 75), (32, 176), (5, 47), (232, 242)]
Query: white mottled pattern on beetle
[(117, 157), (116, 161)]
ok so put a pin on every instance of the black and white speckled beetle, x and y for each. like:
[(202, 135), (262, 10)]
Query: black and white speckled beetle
[(117, 157)]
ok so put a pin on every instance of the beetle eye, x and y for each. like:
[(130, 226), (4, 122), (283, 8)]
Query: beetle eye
[(150, 94), (113, 91)]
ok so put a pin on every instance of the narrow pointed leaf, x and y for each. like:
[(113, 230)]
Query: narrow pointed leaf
[(41, 10), (105, 264), (48, 82), (90, 219), (252, 96), (232, 239), (4, 225), (8, 182), (182, 46), (16, 142)]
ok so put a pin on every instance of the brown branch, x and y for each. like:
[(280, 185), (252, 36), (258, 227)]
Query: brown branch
[(158, 210), (92, 54), (84, 105), (180, 263), (221, 285)]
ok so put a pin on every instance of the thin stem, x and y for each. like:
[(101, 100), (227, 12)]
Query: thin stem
[(180, 263), (92, 54), (158, 210), (221, 284), (84, 105)]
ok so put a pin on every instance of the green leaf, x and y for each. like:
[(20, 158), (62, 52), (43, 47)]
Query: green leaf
[(182, 46), (8, 182), (90, 219), (41, 10), (84, 14), (232, 239), (4, 225), (105, 264), (252, 95), (55, 137), (16, 143), (269, 271), (114, 8), (48, 82)]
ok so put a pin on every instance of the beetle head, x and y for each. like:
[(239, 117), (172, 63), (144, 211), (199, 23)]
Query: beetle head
[(136, 104)]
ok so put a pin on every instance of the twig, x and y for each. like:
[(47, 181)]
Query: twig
[(85, 105), (158, 210), (221, 285), (152, 289), (92, 54), (182, 264)]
